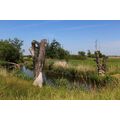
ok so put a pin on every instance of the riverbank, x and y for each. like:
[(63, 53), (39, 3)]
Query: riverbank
[(15, 88), (82, 71)]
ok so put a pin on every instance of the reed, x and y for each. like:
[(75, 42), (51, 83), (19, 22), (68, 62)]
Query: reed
[(18, 87), (14, 88)]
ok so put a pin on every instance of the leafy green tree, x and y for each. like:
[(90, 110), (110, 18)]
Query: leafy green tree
[(54, 47), (81, 53), (10, 50), (89, 54), (63, 54), (54, 50), (17, 43)]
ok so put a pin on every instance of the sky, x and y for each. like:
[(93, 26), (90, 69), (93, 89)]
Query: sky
[(74, 35)]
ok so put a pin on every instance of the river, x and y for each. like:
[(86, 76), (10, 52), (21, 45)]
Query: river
[(55, 81), (27, 71)]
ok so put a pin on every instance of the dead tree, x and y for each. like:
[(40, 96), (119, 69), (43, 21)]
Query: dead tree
[(38, 53), (101, 64)]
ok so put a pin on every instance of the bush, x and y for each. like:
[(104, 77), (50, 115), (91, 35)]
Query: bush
[(8, 52)]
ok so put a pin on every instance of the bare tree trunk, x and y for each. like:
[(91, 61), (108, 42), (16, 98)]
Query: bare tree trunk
[(101, 64), (38, 53)]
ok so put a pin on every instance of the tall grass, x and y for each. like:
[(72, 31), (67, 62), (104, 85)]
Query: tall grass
[(83, 73), (12, 87), (15, 85)]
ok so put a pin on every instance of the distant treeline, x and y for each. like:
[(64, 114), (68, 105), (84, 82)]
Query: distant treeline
[(11, 51), (54, 50)]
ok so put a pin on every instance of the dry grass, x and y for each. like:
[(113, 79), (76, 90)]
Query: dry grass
[(60, 64), (12, 87), (79, 67)]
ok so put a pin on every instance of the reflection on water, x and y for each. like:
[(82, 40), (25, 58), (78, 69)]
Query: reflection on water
[(30, 73), (53, 81), (27, 71)]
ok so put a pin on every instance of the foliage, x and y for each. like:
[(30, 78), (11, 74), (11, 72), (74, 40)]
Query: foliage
[(89, 54), (10, 50), (99, 53), (84, 75), (54, 50), (17, 43), (92, 55), (82, 55)]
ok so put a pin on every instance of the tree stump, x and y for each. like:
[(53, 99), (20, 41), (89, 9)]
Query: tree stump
[(101, 64), (38, 54)]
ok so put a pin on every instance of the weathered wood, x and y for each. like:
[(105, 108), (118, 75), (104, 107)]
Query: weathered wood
[(101, 64), (38, 53), (15, 65), (34, 52)]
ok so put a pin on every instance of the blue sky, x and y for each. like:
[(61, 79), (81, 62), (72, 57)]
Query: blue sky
[(74, 35)]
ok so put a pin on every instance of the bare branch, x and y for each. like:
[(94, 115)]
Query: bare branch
[(32, 52)]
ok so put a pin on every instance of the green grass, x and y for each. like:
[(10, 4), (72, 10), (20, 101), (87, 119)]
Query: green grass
[(89, 61), (15, 88), (82, 70)]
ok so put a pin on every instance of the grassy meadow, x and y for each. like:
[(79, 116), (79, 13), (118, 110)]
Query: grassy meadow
[(16, 86)]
